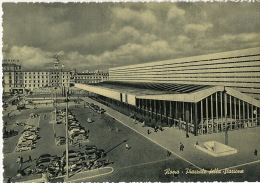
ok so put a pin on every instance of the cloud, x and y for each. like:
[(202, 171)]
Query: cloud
[(30, 57), (135, 18), (198, 27), (103, 35), (174, 12)]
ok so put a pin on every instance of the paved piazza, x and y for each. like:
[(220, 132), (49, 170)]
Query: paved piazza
[(147, 156)]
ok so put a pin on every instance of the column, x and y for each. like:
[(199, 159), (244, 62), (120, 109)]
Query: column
[(151, 109), (207, 115), (225, 111), (155, 109), (191, 113), (248, 115), (221, 110), (235, 111), (244, 114), (231, 111), (239, 113), (144, 106), (252, 108), (176, 114), (161, 107), (196, 119), (170, 113), (212, 114), (201, 113), (165, 112), (217, 110)]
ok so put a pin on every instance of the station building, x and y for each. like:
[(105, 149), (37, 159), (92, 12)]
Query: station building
[(200, 95)]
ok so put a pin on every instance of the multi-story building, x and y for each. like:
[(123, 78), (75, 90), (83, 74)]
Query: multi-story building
[(201, 94), (12, 76), (91, 77), (16, 80)]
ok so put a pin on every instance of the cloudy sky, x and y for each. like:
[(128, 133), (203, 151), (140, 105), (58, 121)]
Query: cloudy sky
[(90, 36)]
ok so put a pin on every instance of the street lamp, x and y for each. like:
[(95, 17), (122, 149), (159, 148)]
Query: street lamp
[(67, 138)]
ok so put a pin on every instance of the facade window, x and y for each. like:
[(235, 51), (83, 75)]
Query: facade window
[(29, 85)]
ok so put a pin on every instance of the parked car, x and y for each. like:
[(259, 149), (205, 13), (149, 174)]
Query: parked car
[(23, 148), (90, 147), (46, 159), (20, 123), (60, 140), (70, 152), (30, 137), (89, 120), (26, 142)]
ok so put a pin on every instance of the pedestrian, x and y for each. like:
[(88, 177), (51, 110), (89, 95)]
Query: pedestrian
[(187, 135), (148, 131), (18, 161), (30, 159), (181, 147), (197, 143), (21, 160), (255, 152), (168, 153), (155, 128), (127, 146)]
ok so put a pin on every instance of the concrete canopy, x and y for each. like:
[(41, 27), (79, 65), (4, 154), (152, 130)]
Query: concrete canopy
[(128, 93)]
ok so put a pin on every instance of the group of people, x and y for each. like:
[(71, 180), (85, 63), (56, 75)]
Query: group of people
[(10, 133), (156, 128)]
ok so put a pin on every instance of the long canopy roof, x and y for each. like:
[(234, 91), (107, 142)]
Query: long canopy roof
[(162, 91)]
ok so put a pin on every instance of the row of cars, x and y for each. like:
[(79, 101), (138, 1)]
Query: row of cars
[(95, 108), (28, 138), (75, 130), (89, 158)]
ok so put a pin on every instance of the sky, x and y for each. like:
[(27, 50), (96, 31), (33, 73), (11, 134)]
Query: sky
[(90, 36)]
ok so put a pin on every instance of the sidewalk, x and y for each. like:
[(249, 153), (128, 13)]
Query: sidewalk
[(170, 139), (89, 174)]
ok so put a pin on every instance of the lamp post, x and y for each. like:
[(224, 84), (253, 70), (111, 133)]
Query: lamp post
[(67, 138), (55, 104)]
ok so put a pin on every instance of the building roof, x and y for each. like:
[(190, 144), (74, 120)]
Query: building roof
[(161, 91), (151, 88)]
